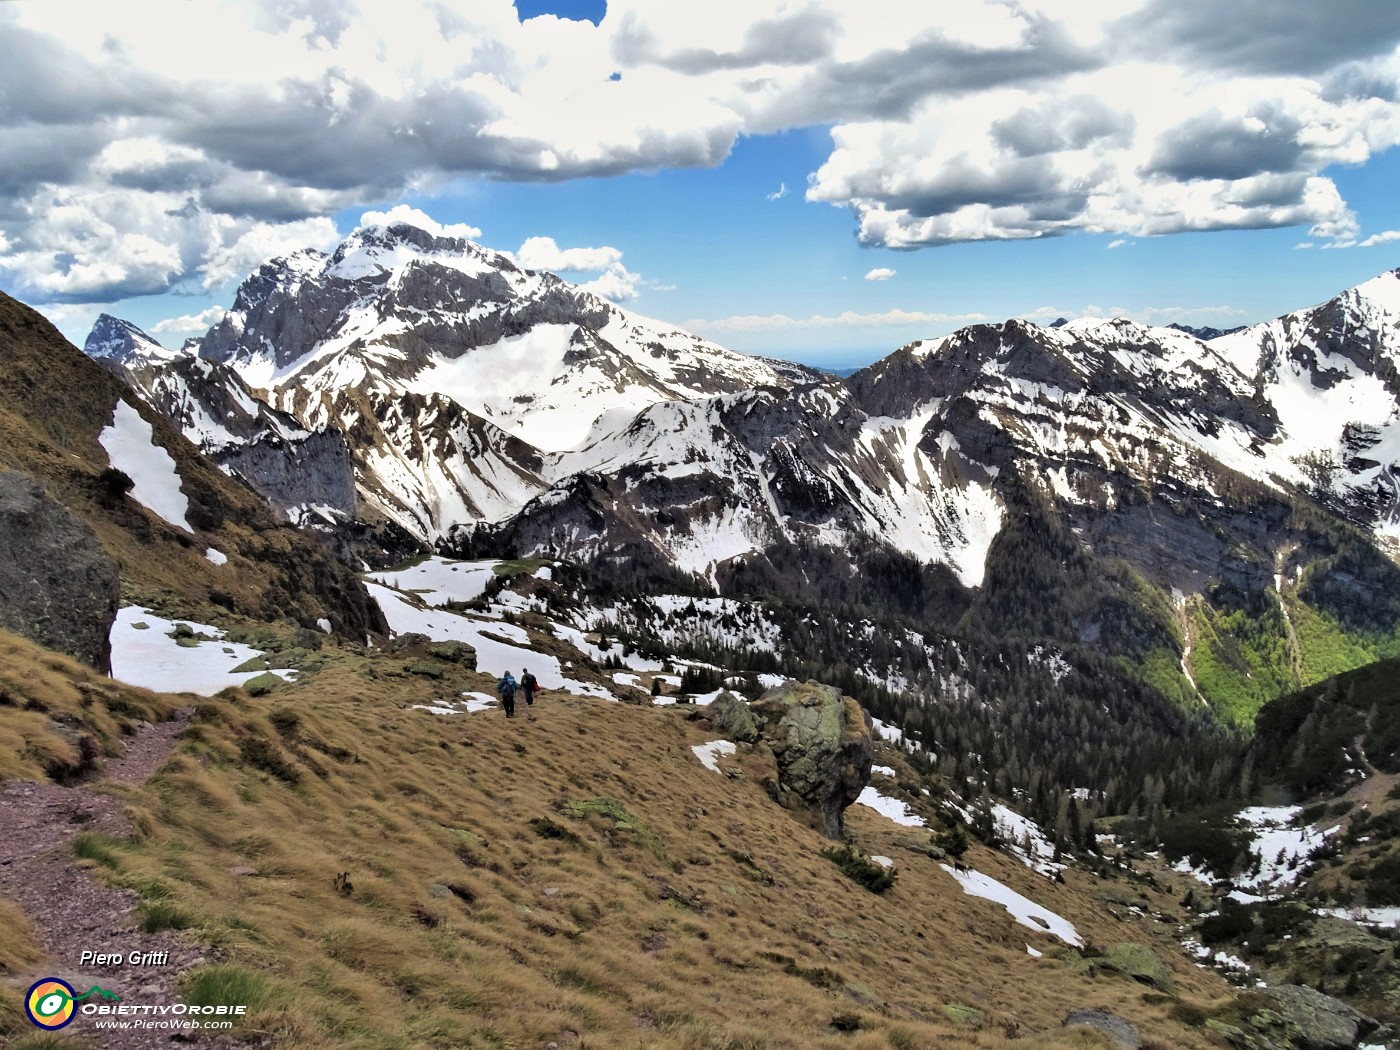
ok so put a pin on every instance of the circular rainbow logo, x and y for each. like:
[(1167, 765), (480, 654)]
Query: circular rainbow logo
[(49, 1003)]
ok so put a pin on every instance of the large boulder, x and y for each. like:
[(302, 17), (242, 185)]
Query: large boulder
[(1121, 1031), (1310, 1020), (822, 743), (57, 586), (731, 715)]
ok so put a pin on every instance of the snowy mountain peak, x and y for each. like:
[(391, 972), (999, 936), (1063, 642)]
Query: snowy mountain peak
[(122, 343), (382, 249), (1384, 291)]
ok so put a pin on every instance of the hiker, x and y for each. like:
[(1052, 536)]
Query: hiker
[(505, 689), (530, 685)]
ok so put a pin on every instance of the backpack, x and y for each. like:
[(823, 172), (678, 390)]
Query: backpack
[(529, 684), (506, 686)]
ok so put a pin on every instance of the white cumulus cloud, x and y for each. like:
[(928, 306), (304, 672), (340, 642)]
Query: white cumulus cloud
[(402, 213), (189, 323), (137, 156), (542, 253), (880, 273)]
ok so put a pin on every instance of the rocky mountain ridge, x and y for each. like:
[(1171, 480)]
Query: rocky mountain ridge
[(1219, 484)]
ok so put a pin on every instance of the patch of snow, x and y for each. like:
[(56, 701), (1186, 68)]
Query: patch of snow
[(324, 624), (544, 572), (1022, 909), (1051, 659), (1371, 916), (709, 753), (480, 702), (891, 808), (1033, 953), (438, 581), (1282, 849), (493, 656), (887, 771), (217, 557), (884, 862), (150, 658), (1027, 842), (131, 447), (772, 681)]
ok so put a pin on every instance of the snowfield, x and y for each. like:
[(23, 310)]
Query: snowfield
[(493, 655), (438, 581), (1282, 851), (148, 657)]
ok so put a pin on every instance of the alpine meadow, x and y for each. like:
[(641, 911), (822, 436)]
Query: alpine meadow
[(567, 524)]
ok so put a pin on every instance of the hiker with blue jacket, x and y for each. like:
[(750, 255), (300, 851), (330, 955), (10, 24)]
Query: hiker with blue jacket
[(505, 689)]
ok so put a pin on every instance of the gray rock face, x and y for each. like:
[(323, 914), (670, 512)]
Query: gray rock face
[(287, 464), (731, 716), (119, 342), (1120, 1030), (1314, 1021), (824, 750), (57, 587), (317, 470)]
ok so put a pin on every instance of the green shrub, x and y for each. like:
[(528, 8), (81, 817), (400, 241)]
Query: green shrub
[(89, 845), (161, 915), (1233, 922), (264, 755), (857, 867), (286, 721), (1383, 882), (224, 984)]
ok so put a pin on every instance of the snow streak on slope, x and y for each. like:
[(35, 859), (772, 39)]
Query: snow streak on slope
[(891, 808), (131, 447), (1022, 909), (907, 502)]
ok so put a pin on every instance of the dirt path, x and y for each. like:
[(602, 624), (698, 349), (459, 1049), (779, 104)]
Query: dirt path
[(72, 912)]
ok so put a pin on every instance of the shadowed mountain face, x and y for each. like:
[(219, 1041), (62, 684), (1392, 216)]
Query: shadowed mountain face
[(1218, 513), (156, 506)]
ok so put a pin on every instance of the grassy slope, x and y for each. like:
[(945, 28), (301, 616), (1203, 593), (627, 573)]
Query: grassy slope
[(54, 402), (705, 918)]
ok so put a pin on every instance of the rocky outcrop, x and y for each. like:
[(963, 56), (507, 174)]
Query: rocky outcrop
[(732, 716), (1123, 1032), (823, 747), (57, 587), (1310, 1020), (314, 472)]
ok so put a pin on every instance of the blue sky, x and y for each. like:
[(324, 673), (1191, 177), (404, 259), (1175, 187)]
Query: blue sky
[(751, 169)]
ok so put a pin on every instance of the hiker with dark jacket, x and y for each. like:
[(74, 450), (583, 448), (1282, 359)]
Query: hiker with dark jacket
[(505, 689), (530, 685)]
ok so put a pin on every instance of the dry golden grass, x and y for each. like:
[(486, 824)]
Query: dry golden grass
[(486, 908), (49, 702), (18, 948)]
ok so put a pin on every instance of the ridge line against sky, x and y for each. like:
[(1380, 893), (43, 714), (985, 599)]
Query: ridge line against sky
[(820, 180)]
